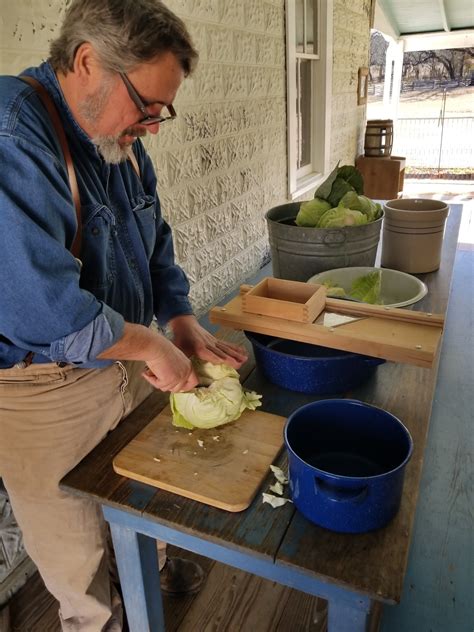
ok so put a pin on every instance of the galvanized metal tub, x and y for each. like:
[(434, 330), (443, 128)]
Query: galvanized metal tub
[(299, 253)]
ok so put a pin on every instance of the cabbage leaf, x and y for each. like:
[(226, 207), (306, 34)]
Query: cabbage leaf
[(361, 203), (341, 216), (334, 290), (340, 181), (367, 288), (311, 211)]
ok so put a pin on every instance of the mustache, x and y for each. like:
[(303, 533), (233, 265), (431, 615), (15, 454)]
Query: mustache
[(139, 132)]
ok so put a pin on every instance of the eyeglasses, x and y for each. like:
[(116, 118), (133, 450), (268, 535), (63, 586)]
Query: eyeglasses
[(142, 106)]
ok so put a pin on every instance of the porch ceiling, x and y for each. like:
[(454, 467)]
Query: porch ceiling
[(408, 17)]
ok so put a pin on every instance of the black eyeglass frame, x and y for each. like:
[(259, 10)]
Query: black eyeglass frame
[(142, 106)]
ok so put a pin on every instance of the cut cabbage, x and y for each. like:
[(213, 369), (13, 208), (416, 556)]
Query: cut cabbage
[(219, 401)]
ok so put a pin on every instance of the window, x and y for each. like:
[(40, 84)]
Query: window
[(309, 75)]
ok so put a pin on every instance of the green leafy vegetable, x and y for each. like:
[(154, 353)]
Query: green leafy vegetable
[(311, 211), (220, 400), (353, 177), (363, 204), (339, 182), (367, 288), (343, 188), (339, 188), (334, 290), (324, 190), (341, 216)]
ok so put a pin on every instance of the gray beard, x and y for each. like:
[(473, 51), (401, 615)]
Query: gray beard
[(110, 149), (91, 109)]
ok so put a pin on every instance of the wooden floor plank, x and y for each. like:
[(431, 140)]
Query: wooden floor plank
[(230, 600)]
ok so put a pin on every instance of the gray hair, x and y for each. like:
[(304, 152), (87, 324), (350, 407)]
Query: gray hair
[(124, 33)]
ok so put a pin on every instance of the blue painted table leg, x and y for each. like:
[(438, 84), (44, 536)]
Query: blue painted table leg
[(137, 562), (344, 618), (348, 611)]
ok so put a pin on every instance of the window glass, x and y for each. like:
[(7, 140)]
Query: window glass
[(304, 127), (300, 25), (310, 28)]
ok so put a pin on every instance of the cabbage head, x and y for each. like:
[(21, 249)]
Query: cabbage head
[(220, 400), (361, 203), (209, 372), (340, 216), (311, 211)]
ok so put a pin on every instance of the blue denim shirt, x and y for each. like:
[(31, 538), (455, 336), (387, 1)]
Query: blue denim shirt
[(48, 305)]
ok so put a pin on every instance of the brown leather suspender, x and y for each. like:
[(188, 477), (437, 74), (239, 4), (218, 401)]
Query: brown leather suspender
[(134, 161), (53, 113)]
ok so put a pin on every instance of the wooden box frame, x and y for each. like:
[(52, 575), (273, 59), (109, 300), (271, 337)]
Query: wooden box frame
[(280, 298)]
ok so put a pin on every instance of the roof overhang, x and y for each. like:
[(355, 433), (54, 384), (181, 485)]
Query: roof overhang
[(426, 24)]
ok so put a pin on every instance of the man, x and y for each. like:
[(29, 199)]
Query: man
[(75, 329)]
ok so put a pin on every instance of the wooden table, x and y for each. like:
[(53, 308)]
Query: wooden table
[(355, 573)]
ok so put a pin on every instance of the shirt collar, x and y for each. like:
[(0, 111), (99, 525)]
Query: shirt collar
[(45, 74)]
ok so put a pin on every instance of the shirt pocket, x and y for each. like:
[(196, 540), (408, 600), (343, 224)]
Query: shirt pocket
[(98, 247), (144, 212)]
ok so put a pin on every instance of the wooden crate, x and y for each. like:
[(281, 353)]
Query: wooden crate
[(383, 177), (291, 300)]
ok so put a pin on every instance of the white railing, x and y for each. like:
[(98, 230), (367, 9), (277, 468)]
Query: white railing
[(432, 142)]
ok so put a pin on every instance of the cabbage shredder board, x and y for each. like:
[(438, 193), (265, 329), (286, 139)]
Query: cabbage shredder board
[(223, 467)]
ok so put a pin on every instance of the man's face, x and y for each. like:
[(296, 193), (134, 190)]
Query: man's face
[(110, 116)]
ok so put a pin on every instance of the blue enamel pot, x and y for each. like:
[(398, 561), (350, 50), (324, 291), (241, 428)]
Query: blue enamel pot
[(307, 368), (347, 463)]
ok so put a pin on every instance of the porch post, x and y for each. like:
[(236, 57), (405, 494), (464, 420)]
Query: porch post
[(393, 78)]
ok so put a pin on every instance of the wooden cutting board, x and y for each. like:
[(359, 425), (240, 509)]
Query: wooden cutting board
[(224, 471)]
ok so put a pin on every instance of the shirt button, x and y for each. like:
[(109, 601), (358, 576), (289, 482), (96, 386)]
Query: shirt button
[(95, 230)]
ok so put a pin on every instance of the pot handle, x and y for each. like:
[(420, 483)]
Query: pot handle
[(340, 494)]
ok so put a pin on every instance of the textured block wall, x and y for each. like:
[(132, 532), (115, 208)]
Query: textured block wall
[(351, 41), (222, 163)]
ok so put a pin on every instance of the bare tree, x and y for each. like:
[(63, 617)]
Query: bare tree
[(378, 53), (452, 63)]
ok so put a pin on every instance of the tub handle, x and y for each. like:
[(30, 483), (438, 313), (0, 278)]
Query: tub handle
[(334, 238), (340, 494)]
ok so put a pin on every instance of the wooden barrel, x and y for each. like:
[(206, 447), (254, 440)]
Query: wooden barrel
[(378, 138)]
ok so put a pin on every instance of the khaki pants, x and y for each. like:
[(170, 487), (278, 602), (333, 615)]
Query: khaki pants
[(50, 419)]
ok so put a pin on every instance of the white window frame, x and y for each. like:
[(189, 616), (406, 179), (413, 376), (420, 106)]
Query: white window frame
[(302, 180)]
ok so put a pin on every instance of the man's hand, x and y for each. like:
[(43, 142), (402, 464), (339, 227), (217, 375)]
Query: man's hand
[(169, 369), (193, 339)]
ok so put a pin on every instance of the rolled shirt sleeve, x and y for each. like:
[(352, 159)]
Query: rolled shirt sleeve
[(83, 347)]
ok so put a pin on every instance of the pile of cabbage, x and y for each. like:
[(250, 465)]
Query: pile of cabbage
[(218, 400), (338, 202)]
